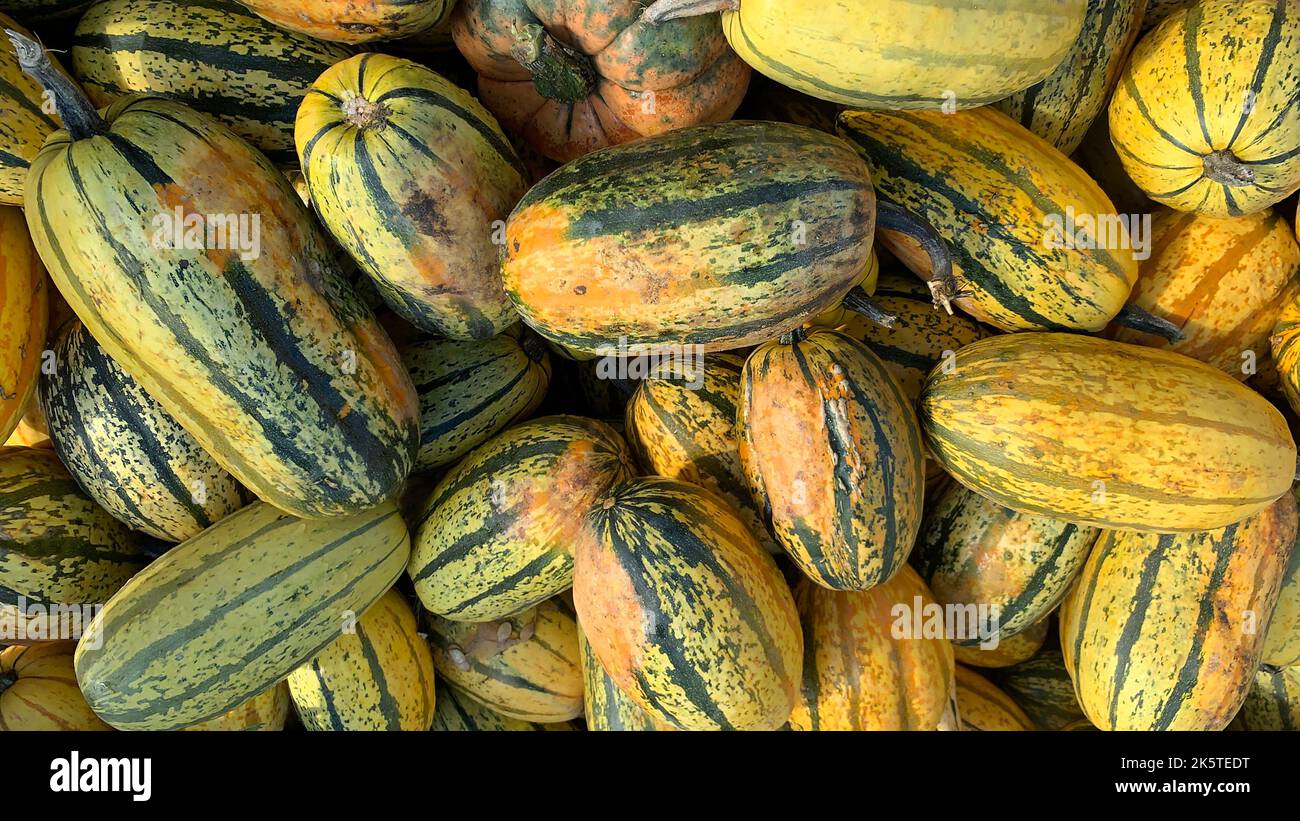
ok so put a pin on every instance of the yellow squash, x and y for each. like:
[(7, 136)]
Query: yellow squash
[(38, 690), (26, 119), (23, 317), (1282, 642), (1014, 650), (982, 706)]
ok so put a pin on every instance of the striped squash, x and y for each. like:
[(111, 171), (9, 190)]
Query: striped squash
[(496, 534), (867, 281), (128, 454), (859, 672), (896, 54), (833, 455), (1163, 631), (458, 712), (471, 391), (59, 551), (1223, 282), (1273, 702), (1061, 107), (227, 614), (1284, 346), (38, 690), (975, 553), (982, 706), (1043, 689), (1009, 651), (267, 711), (684, 611), (604, 707), (1107, 434), (1282, 641), (1205, 116), (686, 429), (1009, 204), (270, 362), (24, 308), (213, 55), (720, 236), (524, 667), (378, 675), (26, 119), (354, 21), (413, 178)]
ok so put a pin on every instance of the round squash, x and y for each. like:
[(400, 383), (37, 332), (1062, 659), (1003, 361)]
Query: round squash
[(1014, 650), (686, 613), (1043, 689), (265, 712), (578, 75), (38, 690), (1273, 702), (1164, 631), (414, 179), (717, 236), (24, 309), (859, 672), (354, 21), (833, 454), (129, 455), (982, 706), (604, 707), (26, 117), (458, 712), (1204, 117), (1106, 434)]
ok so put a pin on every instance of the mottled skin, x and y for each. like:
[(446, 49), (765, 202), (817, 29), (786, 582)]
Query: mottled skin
[(24, 121), (1273, 702), (266, 712), (606, 708), (1282, 642), (24, 308), (1013, 650), (1043, 688), (1214, 79), (43, 694), (354, 21), (982, 706)]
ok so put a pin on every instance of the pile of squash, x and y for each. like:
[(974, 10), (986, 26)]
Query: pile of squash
[(626, 365)]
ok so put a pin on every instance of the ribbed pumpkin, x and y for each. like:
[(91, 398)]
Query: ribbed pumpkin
[(412, 176), (684, 430), (266, 712), (270, 361), (129, 455), (982, 706), (1043, 689), (1107, 434), (685, 611), (833, 455), (24, 308), (1205, 117), (377, 676), (26, 119), (214, 55), (720, 236), (58, 549), (1061, 107), (896, 54), (1273, 702), (1282, 642), (1011, 207), (217, 620), (577, 75), (974, 553), (458, 712), (354, 21), (1007, 652), (524, 667), (471, 391), (860, 671), (497, 533), (38, 690), (1164, 631), (605, 708), (1222, 282)]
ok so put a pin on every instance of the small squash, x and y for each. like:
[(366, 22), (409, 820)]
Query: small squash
[(38, 690)]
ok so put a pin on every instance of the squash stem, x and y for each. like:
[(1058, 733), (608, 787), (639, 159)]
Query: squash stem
[(79, 116), (860, 302), (559, 72), (793, 337), (364, 114), (1131, 316), (533, 345), (1224, 168), (944, 287), (662, 10)]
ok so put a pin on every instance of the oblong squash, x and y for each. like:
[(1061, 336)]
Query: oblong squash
[(26, 118), (1164, 631), (378, 675), (1043, 689), (973, 552), (355, 21), (266, 712), (1009, 651), (412, 176), (525, 667), (1106, 434), (217, 620), (833, 454), (982, 706), (858, 672), (1205, 116), (605, 708), (458, 712), (1011, 207), (684, 611), (1273, 702), (24, 310), (496, 534), (686, 429), (720, 236), (129, 455), (38, 690)]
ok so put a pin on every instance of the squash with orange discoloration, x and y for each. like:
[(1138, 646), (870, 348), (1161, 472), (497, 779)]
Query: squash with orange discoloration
[(23, 317), (354, 21)]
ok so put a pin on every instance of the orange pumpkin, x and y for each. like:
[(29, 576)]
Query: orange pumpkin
[(572, 75)]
